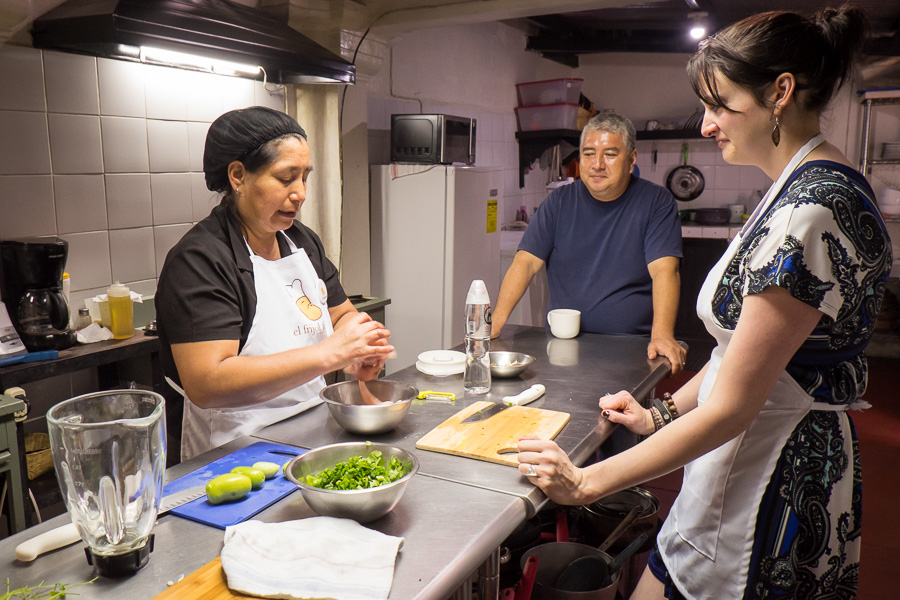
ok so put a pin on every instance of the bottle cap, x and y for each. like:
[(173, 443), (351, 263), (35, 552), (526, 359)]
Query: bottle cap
[(478, 293), (117, 290)]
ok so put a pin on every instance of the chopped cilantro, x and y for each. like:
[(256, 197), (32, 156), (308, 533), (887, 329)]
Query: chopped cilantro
[(359, 473)]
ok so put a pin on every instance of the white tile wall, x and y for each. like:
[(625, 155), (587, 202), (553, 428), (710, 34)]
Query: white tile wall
[(80, 203), (24, 67), (166, 93), (168, 143), (132, 254), (89, 259), (724, 184), (25, 143), (128, 200), (75, 143), (108, 155), (124, 145), (170, 194), (121, 88), (71, 84), (26, 203)]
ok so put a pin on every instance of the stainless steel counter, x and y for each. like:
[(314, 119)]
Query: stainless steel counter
[(576, 373), (455, 512)]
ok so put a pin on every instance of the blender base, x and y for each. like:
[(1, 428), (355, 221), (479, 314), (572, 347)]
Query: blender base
[(121, 565)]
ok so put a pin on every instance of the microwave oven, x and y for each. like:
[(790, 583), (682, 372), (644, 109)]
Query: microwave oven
[(433, 139)]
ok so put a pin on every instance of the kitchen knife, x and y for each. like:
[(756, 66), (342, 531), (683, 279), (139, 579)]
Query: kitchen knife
[(68, 534), (529, 395)]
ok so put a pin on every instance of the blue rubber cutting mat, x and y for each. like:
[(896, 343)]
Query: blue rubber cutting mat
[(232, 513)]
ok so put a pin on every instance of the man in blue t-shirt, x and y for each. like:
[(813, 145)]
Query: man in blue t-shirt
[(611, 243)]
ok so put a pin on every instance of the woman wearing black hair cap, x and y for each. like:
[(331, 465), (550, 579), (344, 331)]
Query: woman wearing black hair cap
[(251, 312), (770, 506)]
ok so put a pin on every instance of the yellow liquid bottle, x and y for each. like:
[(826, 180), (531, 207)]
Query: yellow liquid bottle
[(121, 311)]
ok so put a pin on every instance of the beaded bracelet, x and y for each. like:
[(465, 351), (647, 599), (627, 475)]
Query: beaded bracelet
[(663, 411), (657, 419), (670, 404)]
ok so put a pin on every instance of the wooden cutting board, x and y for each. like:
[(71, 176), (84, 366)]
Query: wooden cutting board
[(493, 439), (206, 583)]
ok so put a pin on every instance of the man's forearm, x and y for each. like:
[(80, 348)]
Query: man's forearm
[(515, 282), (666, 289)]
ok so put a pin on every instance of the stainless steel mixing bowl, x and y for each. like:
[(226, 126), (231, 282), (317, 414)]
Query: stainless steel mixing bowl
[(348, 406), (509, 364), (360, 505)]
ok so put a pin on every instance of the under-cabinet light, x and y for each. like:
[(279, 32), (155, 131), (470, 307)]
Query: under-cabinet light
[(170, 58)]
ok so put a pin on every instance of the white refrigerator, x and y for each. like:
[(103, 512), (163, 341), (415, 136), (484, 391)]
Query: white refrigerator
[(434, 229)]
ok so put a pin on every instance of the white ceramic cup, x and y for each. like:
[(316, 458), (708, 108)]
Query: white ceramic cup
[(564, 322)]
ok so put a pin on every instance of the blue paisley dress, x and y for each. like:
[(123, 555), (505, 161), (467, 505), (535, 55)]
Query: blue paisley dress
[(823, 240)]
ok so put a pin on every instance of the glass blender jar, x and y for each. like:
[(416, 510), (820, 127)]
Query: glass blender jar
[(109, 450)]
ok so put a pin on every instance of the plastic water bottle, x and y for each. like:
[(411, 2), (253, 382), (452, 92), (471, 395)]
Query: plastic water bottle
[(477, 378)]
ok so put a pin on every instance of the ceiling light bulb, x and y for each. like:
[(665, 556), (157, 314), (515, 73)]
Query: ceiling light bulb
[(698, 32)]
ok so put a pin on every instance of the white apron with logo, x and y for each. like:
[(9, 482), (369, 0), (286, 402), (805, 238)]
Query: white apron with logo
[(707, 540), (291, 312)]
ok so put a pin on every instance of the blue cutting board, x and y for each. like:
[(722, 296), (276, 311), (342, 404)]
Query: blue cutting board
[(232, 513)]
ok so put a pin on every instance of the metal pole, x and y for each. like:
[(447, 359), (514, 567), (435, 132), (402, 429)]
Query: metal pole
[(864, 151), (489, 577)]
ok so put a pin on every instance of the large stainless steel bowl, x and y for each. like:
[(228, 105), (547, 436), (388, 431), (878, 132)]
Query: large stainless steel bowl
[(509, 364), (360, 505), (349, 408)]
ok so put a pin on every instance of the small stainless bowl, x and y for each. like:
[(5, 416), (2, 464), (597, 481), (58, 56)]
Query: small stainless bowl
[(360, 505), (509, 364), (345, 402)]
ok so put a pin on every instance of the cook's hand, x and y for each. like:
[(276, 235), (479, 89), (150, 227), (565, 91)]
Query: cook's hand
[(623, 409), (669, 348), (360, 339), (367, 369), (553, 472)]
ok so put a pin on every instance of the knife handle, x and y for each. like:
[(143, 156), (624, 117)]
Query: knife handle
[(529, 395), (47, 541)]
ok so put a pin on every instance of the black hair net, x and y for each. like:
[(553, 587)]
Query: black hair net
[(236, 134)]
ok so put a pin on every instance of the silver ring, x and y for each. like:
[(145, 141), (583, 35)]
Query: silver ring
[(531, 472)]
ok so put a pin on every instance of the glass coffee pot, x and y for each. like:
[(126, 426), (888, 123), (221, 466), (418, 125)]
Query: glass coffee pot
[(109, 450)]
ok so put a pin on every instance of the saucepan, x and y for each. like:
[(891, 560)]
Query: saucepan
[(598, 520), (684, 181), (566, 569)]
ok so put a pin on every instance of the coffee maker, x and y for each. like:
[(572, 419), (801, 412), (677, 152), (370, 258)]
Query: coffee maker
[(31, 271)]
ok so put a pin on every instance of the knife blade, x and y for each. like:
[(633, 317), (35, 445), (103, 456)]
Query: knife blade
[(521, 399), (67, 534)]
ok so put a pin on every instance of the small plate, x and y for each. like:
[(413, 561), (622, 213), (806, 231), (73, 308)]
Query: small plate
[(440, 370), (442, 357)]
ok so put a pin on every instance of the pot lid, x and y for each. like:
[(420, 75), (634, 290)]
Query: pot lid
[(620, 504)]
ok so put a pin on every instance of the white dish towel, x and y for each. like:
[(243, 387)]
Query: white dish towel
[(318, 557)]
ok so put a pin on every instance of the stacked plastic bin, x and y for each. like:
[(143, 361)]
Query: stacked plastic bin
[(550, 104)]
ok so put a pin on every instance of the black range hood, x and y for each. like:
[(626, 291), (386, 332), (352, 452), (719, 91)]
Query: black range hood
[(215, 29)]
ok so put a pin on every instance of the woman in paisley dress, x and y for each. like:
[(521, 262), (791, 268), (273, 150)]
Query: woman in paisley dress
[(771, 499)]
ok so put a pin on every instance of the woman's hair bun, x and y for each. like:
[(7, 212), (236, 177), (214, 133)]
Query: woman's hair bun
[(845, 29)]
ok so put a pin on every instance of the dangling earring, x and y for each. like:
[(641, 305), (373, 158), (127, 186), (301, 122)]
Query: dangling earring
[(776, 132)]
